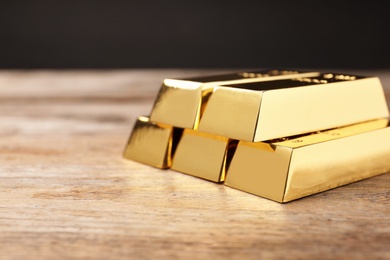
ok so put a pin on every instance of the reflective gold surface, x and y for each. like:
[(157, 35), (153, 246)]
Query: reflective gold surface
[(150, 143), (287, 170), (259, 111), (201, 155), (180, 101), (263, 132)]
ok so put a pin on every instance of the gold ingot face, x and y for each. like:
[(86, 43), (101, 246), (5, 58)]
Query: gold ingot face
[(202, 155), (180, 102), (152, 144), (260, 111), (285, 170)]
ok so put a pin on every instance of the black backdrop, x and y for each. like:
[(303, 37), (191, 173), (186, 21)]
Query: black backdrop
[(198, 34)]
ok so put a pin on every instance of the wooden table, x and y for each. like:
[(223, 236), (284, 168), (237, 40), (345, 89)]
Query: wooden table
[(66, 192)]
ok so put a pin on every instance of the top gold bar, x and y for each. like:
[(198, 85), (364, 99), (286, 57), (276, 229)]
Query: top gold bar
[(180, 102), (260, 111)]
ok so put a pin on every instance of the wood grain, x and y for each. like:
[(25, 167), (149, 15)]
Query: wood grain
[(66, 192)]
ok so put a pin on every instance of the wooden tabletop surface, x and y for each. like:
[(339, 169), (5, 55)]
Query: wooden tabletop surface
[(66, 192)]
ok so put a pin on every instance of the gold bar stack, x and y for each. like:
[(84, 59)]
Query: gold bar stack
[(278, 134)]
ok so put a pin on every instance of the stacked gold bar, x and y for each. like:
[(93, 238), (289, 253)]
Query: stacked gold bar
[(279, 134)]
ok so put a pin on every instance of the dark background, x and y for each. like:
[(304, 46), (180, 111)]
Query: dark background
[(199, 34)]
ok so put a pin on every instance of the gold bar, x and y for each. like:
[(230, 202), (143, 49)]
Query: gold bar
[(180, 101), (202, 155), (152, 144), (259, 111), (285, 170)]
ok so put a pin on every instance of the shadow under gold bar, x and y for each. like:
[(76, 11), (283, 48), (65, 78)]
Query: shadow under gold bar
[(260, 111), (152, 144), (287, 170), (180, 101)]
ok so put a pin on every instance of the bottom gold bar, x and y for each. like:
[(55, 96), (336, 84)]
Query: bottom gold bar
[(202, 155), (286, 170), (152, 144)]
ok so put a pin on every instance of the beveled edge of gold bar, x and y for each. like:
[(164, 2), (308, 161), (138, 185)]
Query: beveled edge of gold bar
[(281, 151), (308, 105), (151, 143), (330, 134), (364, 155), (180, 102), (250, 75), (261, 77)]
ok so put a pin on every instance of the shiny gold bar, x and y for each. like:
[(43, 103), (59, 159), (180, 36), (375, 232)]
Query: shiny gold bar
[(202, 155), (285, 170), (259, 111), (180, 101), (152, 144)]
